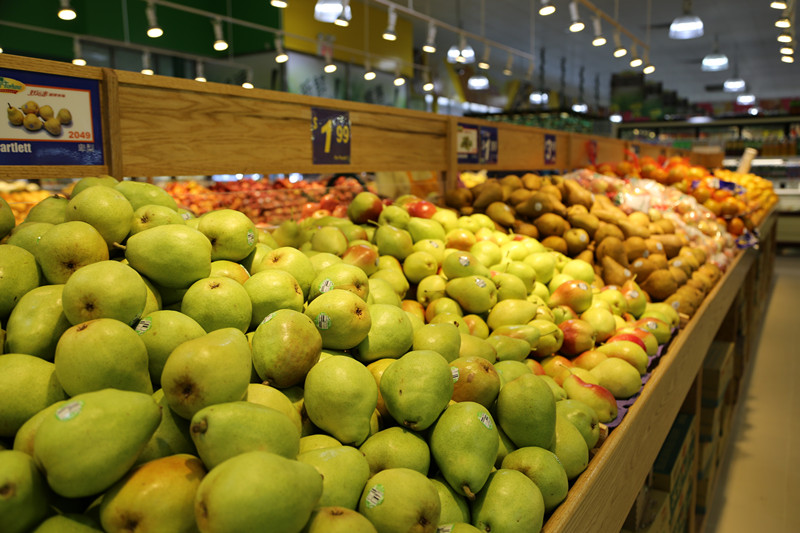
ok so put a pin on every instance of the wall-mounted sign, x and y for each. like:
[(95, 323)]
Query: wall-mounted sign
[(488, 152), (468, 143), (51, 120), (330, 136), (549, 149)]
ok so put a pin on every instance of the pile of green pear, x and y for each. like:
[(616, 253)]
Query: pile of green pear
[(381, 372)]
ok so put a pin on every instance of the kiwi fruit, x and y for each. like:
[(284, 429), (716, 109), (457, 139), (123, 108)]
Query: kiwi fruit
[(556, 243), (550, 224), (613, 272), (526, 228), (612, 247), (660, 285), (577, 241), (531, 182), (635, 247), (642, 267), (606, 229)]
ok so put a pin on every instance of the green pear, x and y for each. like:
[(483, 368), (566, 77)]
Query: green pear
[(342, 318), (289, 260), (393, 241), (67, 247), (322, 260), (396, 278), (445, 339), (505, 447), (260, 251), (271, 290), (231, 497), (217, 303), (487, 252), (464, 445), (106, 209), (19, 274), (90, 181), (570, 447), (544, 469), (278, 357), (382, 292), (27, 235), (511, 312), (140, 193), (401, 499), (509, 348), (459, 264), (475, 380), (475, 294), (7, 219), (114, 425), (149, 216), (172, 255), (558, 392), (425, 228), (102, 353), (396, 447), (318, 441), (232, 234), (289, 233), (630, 352), (509, 370), (267, 396), (227, 429), (340, 397), (171, 437), (23, 440), (551, 337), (526, 410), (162, 332), (390, 334), (543, 264), (527, 332), (105, 289), (618, 376), (430, 288), (473, 346), (338, 520), (454, 506), (419, 265), (68, 523), (416, 388), (29, 384), (582, 417), (509, 287), (156, 496), (510, 502), (344, 473), (340, 276), (153, 302), (211, 369), (435, 247), (52, 209), (394, 215), (24, 500), (329, 239)]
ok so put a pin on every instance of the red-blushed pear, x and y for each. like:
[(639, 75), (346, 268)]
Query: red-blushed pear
[(595, 396), (460, 239), (535, 366), (650, 341), (557, 367), (589, 359), (363, 256), (635, 297), (475, 380), (657, 327), (579, 336), (562, 313), (477, 326), (628, 337), (414, 307), (364, 207), (577, 294), (629, 351)]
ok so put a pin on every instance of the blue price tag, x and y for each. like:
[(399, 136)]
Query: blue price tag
[(549, 149), (330, 136), (488, 151), (52, 120)]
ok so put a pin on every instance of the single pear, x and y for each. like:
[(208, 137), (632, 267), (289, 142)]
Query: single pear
[(278, 358), (618, 376), (474, 346), (582, 417), (24, 500), (53, 126), (460, 264), (393, 241), (271, 397), (381, 292), (391, 334), (464, 444), (401, 499), (340, 396), (19, 274), (69, 523), (509, 370), (340, 276), (29, 385), (231, 233), (454, 506), (344, 472), (509, 348), (342, 318), (64, 116), (106, 209), (171, 437), (172, 255), (396, 278), (158, 495), (333, 519), (475, 294), (105, 289), (27, 234), (570, 448), (510, 501), (289, 260), (15, 116), (526, 411), (444, 338), (595, 396), (318, 441), (151, 215), (67, 247), (271, 290), (544, 469), (231, 496), (114, 424), (475, 380), (31, 122), (141, 193), (217, 303), (211, 369), (416, 388), (163, 331), (396, 447)]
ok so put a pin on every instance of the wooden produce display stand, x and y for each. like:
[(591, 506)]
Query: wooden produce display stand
[(155, 125)]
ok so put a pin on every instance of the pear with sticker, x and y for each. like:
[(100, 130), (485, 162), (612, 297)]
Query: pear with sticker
[(278, 358)]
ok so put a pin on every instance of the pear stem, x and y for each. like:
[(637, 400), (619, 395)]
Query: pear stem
[(470, 495), (118, 245)]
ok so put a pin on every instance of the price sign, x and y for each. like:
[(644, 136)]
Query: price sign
[(488, 151), (467, 144), (330, 136), (52, 120), (549, 149)]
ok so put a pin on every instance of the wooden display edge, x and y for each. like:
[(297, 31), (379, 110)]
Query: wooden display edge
[(46, 66), (601, 497)]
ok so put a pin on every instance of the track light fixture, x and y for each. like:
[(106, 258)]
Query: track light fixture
[(248, 82), (399, 80), (281, 55), (785, 37), (154, 31), (343, 19), (483, 64), (507, 71), (784, 22), (369, 74), (389, 34), (199, 75), (787, 59), (547, 8), (146, 69), (778, 4), (77, 55), (428, 86), (330, 66), (220, 43), (648, 67), (619, 51), (66, 12), (599, 39), (635, 61), (430, 44), (576, 25), (280, 4), (787, 50)]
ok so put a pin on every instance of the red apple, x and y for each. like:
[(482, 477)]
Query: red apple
[(421, 208)]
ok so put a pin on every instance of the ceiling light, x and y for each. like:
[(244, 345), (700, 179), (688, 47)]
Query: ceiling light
[(785, 37), (330, 66), (389, 33), (466, 54), (281, 4), (787, 50), (598, 40), (77, 56), (281, 55), (369, 74), (580, 108), (146, 64), (619, 51), (199, 75), (398, 79), (535, 97), (686, 26), (478, 82), (154, 31), (783, 22), (248, 83), (343, 19), (484, 62), (787, 59), (430, 44), (507, 71), (715, 61), (576, 25), (1, 49), (734, 85), (616, 118), (746, 99), (452, 54), (220, 43), (428, 86), (635, 61), (330, 10), (547, 8), (66, 12), (648, 67), (777, 4)]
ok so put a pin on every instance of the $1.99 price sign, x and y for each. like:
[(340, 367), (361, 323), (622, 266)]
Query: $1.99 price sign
[(330, 136)]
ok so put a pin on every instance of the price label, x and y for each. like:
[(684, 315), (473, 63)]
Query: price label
[(330, 136), (549, 149), (467, 144), (52, 120), (488, 152)]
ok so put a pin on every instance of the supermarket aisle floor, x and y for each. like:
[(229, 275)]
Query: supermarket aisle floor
[(759, 486)]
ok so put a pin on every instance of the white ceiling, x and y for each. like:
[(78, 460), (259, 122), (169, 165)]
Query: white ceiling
[(745, 29)]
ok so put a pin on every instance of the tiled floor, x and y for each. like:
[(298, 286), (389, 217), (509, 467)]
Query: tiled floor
[(759, 485)]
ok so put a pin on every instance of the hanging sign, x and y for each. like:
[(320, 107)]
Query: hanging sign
[(488, 151), (549, 149), (51, 119), (330, 136), (467, 143)]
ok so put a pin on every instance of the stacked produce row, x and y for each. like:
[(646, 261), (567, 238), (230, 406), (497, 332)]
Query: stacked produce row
[(406, 367)]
